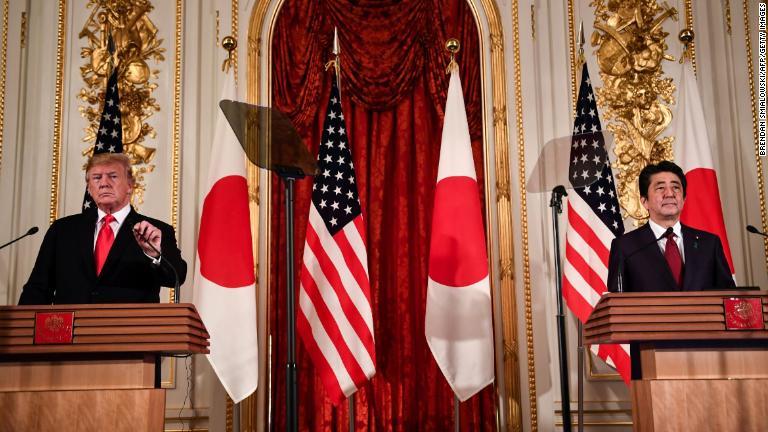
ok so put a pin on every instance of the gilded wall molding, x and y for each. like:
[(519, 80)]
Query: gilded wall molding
[(758, 159), (690, 25), (249, 406), (176, 139), (572, 54), (255, 78), (635, 97), (61, 33), (506, 248), (175, 159), (3, 72)]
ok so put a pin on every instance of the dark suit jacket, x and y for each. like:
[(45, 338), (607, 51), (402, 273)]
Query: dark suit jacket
[(65, 271), (646, 269)]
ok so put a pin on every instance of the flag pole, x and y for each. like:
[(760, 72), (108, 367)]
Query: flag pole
[(336, 65), (453, 46), (580, 326)]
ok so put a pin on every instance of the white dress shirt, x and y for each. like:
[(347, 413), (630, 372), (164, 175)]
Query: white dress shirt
[(659, 230), (119, 215)]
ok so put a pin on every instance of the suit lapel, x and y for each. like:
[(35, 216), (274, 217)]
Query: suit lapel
[(122, 240), (85, 239), (691, 252), (658, 261)]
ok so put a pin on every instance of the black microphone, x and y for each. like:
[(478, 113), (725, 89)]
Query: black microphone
[(173, 269), (623, 259), (28, 233), (754, 230)]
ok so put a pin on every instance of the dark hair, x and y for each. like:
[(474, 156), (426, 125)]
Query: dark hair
[(644, 179)]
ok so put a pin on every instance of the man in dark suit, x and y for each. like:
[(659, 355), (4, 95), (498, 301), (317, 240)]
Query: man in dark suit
[(106, 255), (653, 259)]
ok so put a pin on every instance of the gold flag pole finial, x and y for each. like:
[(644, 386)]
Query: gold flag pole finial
[(336, 50), (453, 46), (581, 59), (230, 44), (686, 36)]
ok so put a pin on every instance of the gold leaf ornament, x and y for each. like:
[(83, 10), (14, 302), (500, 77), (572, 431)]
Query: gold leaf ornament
[(136, 45), (635, 98)]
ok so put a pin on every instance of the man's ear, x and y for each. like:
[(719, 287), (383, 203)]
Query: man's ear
[(644, 202)]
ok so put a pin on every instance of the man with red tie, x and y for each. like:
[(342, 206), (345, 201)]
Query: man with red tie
[(665, 255), (110, 255)]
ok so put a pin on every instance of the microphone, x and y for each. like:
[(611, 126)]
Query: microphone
[(173, 269), (623, 259), (28, 233), (754, 230)]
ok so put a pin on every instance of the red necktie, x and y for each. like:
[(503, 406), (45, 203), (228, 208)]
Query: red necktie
[(675, 261), (104, 242)]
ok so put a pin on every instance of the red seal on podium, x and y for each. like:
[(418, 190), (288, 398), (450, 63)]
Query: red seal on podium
[(744, 313), (53, 327)]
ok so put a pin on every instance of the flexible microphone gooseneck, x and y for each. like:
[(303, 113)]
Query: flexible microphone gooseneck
[(28, 233), (173, 269), (623, 259), (754, 230)]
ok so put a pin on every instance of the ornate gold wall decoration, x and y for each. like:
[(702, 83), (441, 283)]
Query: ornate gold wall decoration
[(3, 67), (635, 97), (61, 33), (136, 42)]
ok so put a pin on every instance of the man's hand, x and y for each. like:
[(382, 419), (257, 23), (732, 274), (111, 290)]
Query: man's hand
[(147, 236)]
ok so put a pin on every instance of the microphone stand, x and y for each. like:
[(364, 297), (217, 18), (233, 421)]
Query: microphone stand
[(556, 202), (28, 233)]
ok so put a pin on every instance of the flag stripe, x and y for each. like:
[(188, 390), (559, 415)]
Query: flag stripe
[(337, 277), (577, 291), (586, 252), (356, 270), (324, 355), (588, 231), (585, 270), (331, 313), (618, 357)]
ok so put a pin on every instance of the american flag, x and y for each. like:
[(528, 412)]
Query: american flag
[(109, 137), (594, 220), (335, 321)]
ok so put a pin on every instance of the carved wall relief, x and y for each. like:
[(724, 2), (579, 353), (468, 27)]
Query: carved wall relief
[(635, 97), (136, 42)]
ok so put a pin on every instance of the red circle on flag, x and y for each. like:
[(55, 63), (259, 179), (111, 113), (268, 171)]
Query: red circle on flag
[(457, 254), (225, 243)]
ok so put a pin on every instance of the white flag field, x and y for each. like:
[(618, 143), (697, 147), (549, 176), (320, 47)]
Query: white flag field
[(459, 322), (225, 285), (703, 209)]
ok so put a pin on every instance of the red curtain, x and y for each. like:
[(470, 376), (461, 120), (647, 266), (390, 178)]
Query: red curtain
[(393, 86)]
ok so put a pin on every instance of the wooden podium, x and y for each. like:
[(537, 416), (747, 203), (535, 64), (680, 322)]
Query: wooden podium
[(106, 378), (690, 372)]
